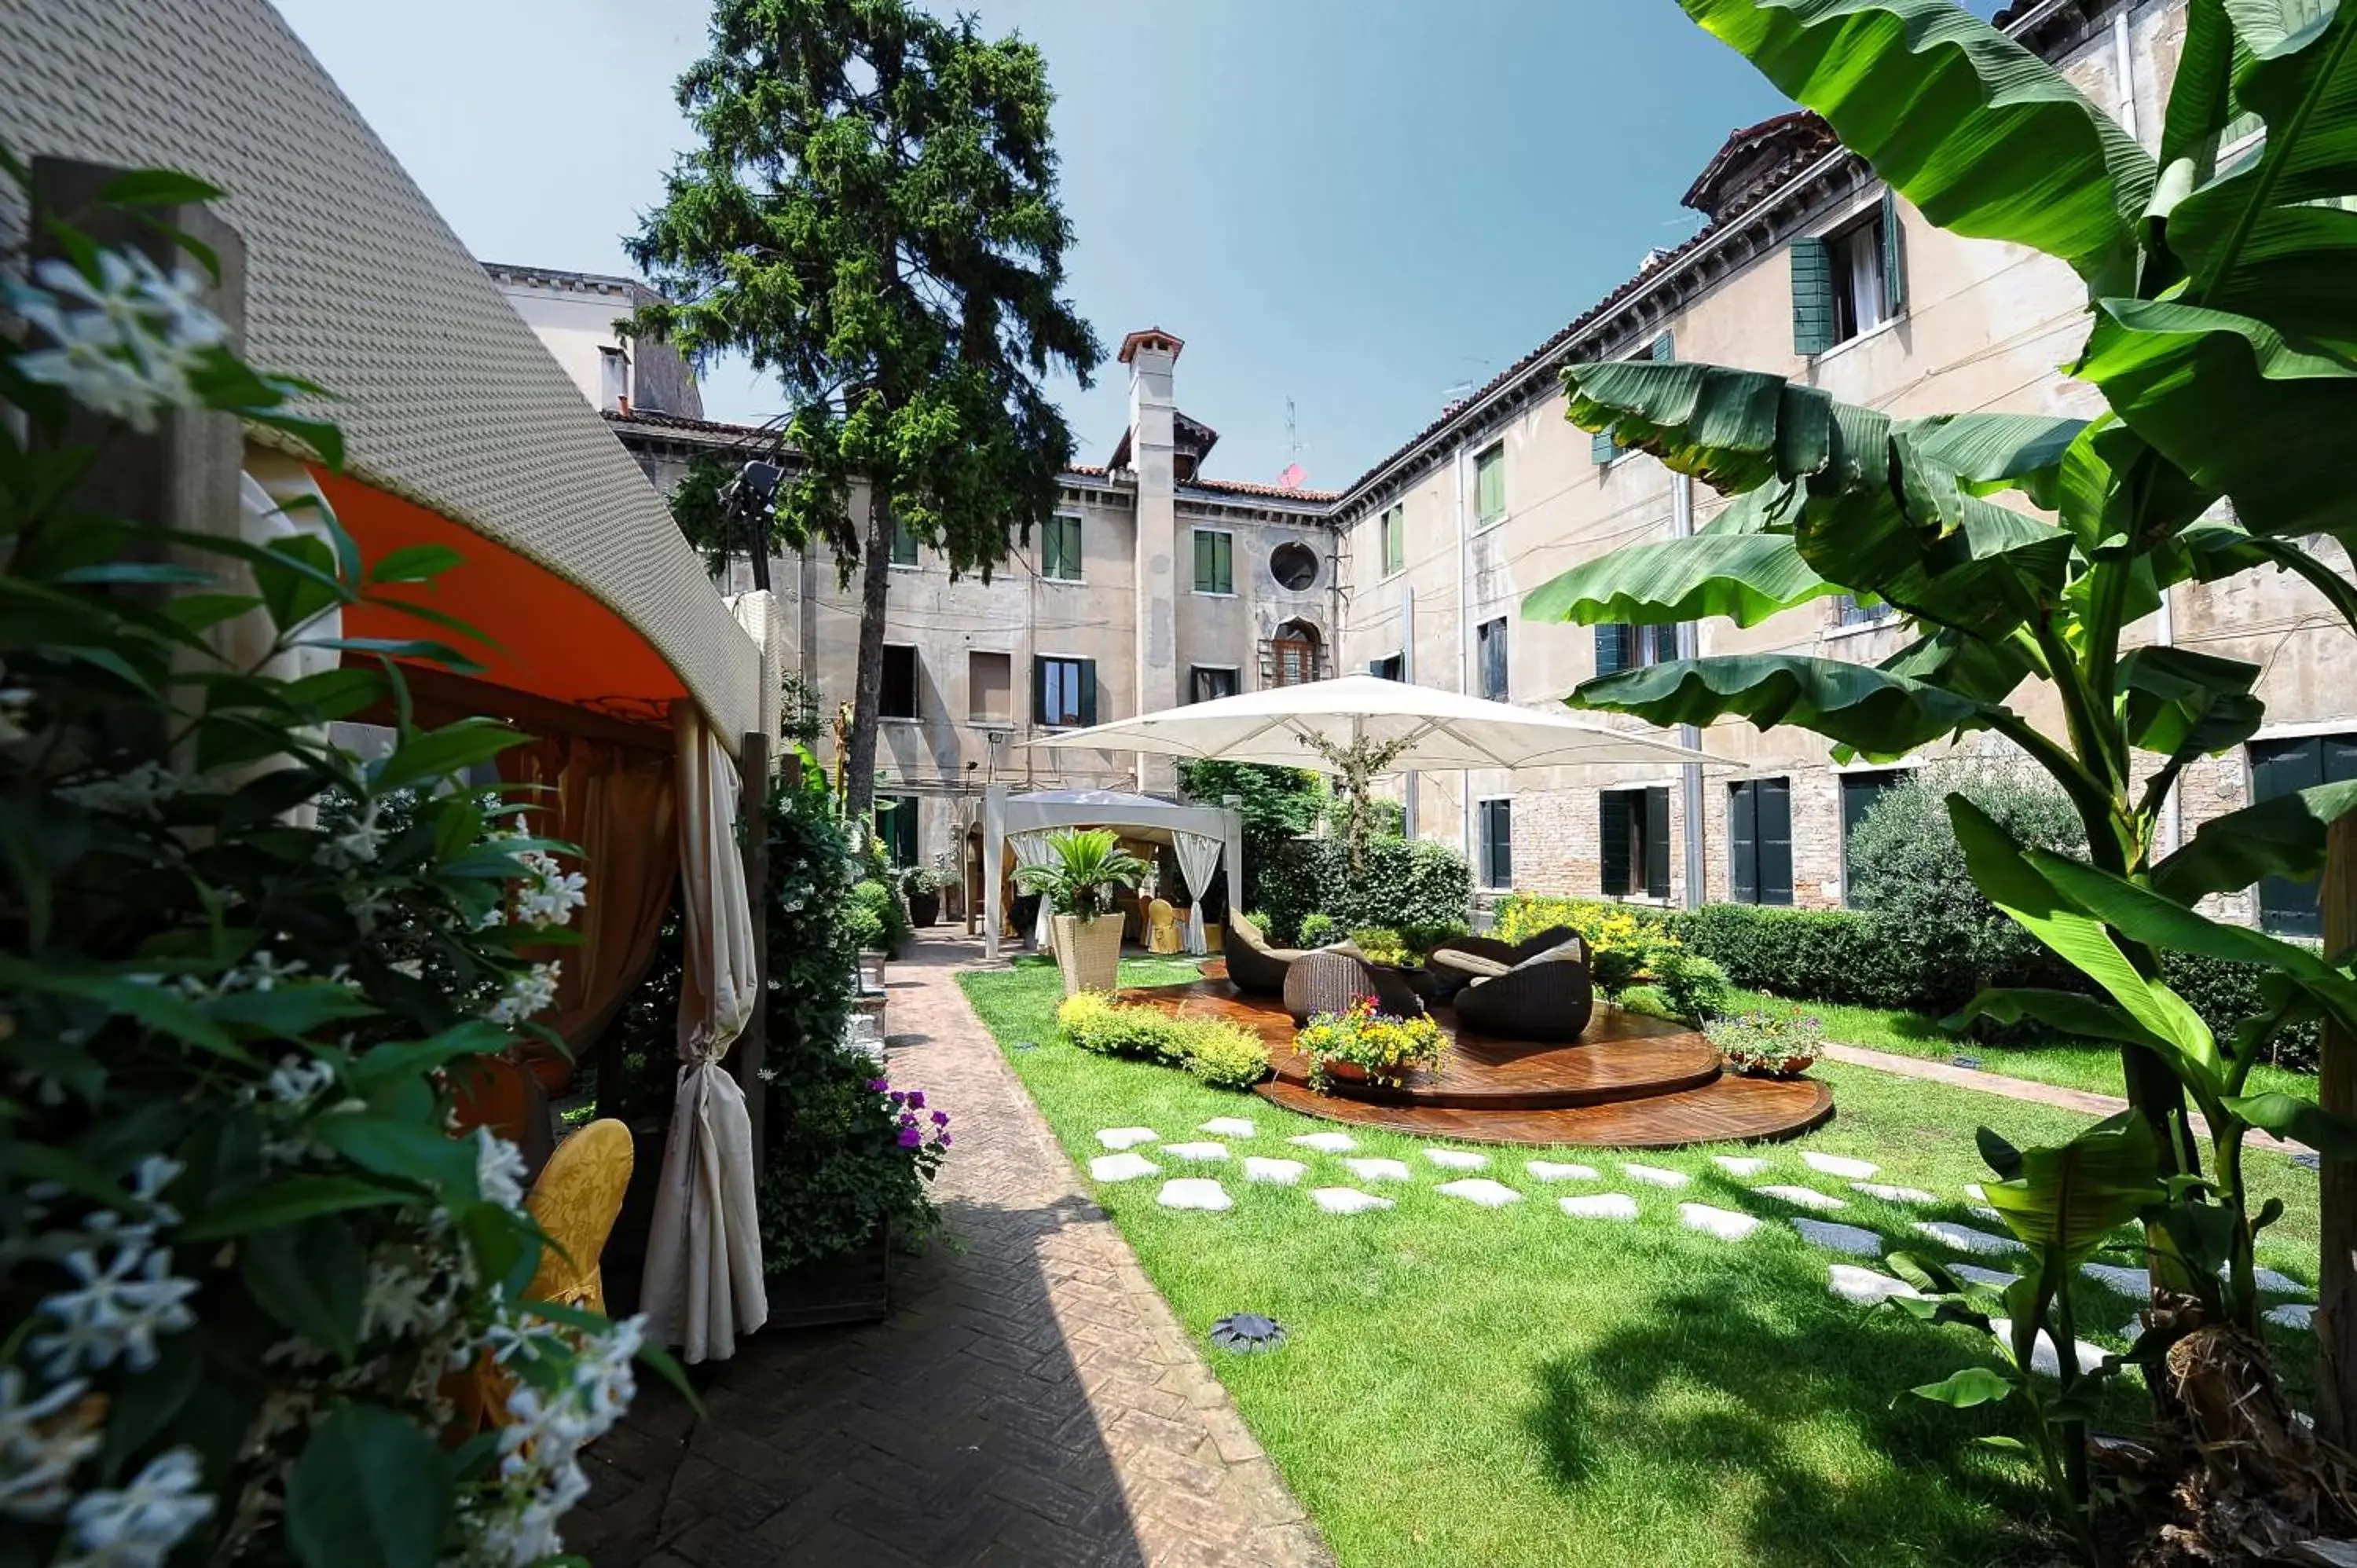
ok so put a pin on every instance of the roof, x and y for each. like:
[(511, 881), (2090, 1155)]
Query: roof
[(1152, 337), (1756, 159), (1193, 437), (557, 278), (1272, 492), (353, 281)]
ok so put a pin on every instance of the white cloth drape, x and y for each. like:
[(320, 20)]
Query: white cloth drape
[(704, 1253), (1199, 859), (1032, 849)]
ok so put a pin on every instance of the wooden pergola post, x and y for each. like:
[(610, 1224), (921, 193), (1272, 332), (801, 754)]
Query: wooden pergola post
[(2336, 1315)]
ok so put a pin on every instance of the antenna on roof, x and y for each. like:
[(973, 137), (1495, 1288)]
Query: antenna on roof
[(1294, 473)]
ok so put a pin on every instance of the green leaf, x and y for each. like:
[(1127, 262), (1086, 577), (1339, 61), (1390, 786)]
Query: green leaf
[(2066, 1200), (152, 1004), (406, 1149), (1985, 138), (1997, 1153), (369, 1491), (2072, 1011), (437, 753), (289, 1012), (310, 1276), (287, 1201), (414, 564), (2302, 1120), (2180, 701), (2217, 550), (334, 693), (409, 1059), (156, 187), (323, 436), (1880, 714), (295, 597), (1746, 577), (1963, 1389), (417, 649), (2284, 836)]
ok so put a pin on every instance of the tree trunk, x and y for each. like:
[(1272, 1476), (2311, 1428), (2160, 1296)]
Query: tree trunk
[(2336, 1316), (867, 689)]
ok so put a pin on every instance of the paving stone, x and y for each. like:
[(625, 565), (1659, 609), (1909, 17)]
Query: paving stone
[(1838, 1164), (1347, 1200), (1379, 1170), (1964, 1239), (1229, 1127), (1977, 1192), (2043, 1357), (1739, 1164), (1724, 1223), (1457, 1159), (1200, 1153), (1864, 1286), (1482, 1190), (1801, 1198), (1996, 1279), (2292, 1314), (1888, 1194), (1653, 1176), (1554, 1170), (1126, 1137), (1326, 1143), (1850, 1239), (1122, 1167), (2112, 1276), (2276, 1282), (1283, 1172), (1599, 1206)]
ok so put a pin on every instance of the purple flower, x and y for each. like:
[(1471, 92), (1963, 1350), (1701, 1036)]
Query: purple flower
[(916, 1099), (898, 1097), (877, 1085), (944, 1139), (941, 1118), (910, 1137), (907, 1121)]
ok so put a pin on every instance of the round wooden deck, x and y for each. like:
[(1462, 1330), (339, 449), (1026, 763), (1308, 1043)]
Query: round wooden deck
[(1630, 1081)]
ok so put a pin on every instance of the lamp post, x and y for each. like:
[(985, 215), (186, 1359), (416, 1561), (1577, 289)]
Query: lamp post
[(746, 497)]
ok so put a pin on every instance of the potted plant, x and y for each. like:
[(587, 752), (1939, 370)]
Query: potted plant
[(1362, 1044), (1760, 1044), (1089, 867), (921, 886)]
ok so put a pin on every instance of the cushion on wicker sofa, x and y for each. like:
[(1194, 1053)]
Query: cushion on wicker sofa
[(1546, 996)]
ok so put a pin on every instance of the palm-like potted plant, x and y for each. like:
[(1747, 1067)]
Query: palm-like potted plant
[(1079, 884)]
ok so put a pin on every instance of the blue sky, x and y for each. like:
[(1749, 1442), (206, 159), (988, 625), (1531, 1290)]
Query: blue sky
[(1354, 204)]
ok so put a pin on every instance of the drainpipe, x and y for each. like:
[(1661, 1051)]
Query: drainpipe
[(1465, 652), (1689, 735), (1407, 672), (2124, 67)]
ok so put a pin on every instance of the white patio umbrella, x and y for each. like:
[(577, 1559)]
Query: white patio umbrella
[(1285, 725)]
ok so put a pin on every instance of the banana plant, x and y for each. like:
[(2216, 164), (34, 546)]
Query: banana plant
[(2018, 549)]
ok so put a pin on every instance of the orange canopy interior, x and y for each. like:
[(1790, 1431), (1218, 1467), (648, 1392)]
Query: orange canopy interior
[(547, 637)]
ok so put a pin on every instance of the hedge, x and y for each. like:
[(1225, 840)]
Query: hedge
[(1222, 1055), (1408, 882)]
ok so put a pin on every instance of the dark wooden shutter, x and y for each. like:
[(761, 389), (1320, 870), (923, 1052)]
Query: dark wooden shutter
[(1657, 842), (2280, 768), (1088, 667), (1813, 296), (1612, 839), (1775, 828), (1894, 258), (1743, 841), (1611, 649)]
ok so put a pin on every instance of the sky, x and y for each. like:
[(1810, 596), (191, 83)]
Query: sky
[(1348, 207)]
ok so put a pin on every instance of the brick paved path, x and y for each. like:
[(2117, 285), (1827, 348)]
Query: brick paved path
[(1031, 1400)]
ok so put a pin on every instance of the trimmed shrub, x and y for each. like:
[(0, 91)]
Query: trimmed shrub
[(890, 920), (2226, 994), (1222, 1054), (1823, 955), (1408, 882), (1318, 930), (1692, 986), (1277, 804)]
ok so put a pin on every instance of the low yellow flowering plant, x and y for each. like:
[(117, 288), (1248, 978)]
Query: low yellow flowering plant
[(1363, 1043)]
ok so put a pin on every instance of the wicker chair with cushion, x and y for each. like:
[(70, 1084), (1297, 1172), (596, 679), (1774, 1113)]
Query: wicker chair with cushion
[(1330, 979), (1456, 962), (1546, 996), (1257, 968)]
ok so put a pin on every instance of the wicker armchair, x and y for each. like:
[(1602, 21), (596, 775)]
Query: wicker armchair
[(1456, 962), (1329, 979), (1546, 996), (1256, 969)]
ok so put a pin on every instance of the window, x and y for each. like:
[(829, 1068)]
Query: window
[(1633, 840), (1619, 646), (1490, 484), (2287, 908), (1849, 282), (613, 380), (1293, 565), (1210, 682), (896, 828), (904, 544), (1859, 792), (1849, 611), (1293, 655), (1601, 446), (990, 687), (1490, 647), (899, 698), (1760, 841), (1390, 667), (1060, 549), (1215, 560), (1497, 818), (1064, 690), (1393, 532)]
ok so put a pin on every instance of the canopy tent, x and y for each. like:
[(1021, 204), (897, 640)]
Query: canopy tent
[(1204, 837)]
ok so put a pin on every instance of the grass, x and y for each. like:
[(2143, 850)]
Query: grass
[(1515, 1389)]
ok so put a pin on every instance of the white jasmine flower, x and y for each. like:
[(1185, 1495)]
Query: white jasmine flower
[(296, 1081), (116, 1313), (499, 1169), (139, 1526), (149, 1177), (531, 993), (132, 350), (15, 702), (397, 1300), (368, 905), (413, 967), (550, 893), (41, 1441), (261, 972), (357, 844)]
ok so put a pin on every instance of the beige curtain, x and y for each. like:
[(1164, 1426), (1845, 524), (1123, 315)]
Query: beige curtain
[(1033, 849), (1198, 860), (703, 1255)]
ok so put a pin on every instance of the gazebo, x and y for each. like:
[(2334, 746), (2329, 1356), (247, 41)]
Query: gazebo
[(1204, 837)]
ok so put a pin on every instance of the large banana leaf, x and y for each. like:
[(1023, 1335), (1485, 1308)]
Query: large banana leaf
[(2176, 700), (2212, 551), (1746, 577), (2072, 1011), (1880, 715), (1974, 668), (1982, 135), (2296, 71), (2282, 837), (1988, 570), (2068, 1200)]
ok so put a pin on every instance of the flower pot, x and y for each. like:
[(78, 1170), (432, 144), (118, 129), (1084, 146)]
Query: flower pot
[(1088, 951), (924, 908), (1784, 1066), (854, 1288)]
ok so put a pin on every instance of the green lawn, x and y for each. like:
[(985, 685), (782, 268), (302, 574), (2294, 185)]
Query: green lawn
[(1515, 1389)]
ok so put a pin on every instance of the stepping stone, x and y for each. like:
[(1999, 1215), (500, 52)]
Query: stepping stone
[(1194, 1192), (1550, 1170), (1126, 1137), (2282, 1284), (1457, 1159), (1739, 1164), (1894, 1194), (1379, 1170), (1599, 1206), (1866, 1287), (2112, 1276), (1347, 1200), (1122, 1167), (1198, 1153), (1654, 1176), (1996, 1279), (2043, 1357), (1482, 1190), (1326, 1143), (2132, 1331), (1283, 1172), (1839, 1164), (1802, 1197), (1228, 1127), (2292, 1314), (1848, 1239), (1986, 1212), (1964, 1239), (1977, 1192), (1724, 1223)]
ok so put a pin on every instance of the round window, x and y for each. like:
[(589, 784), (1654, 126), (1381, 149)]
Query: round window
[(1293, 565)]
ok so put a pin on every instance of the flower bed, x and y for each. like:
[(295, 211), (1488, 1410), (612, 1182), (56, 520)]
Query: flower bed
[(1222, 1054)]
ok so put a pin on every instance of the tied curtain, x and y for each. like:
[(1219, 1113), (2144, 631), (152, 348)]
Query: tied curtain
[(703, 1283), (1032, 849), (1199, 859)]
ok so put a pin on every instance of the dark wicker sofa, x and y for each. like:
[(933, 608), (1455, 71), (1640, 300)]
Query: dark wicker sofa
[(1256, 968), (1329, 980), (1456, 961), (1545, 997)]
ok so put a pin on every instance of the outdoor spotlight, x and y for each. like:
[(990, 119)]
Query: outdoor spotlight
[(747, 496), (1973, 1062), (1248, 1334), (996, 737)]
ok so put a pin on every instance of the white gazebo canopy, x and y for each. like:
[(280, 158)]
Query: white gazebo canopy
[(1204, 837)]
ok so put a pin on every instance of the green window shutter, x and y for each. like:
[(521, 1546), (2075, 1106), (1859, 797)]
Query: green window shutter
[(1088, 667), (1657, 842), (1663, 350), (904, 546), (1813, 296), (1743, 841), (1498, 843), (1775, 837), (1612, 839), (1202, 561), (1223, 560), (1611, 649), (1894, 257), (1489, 484), (1602, 447)]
